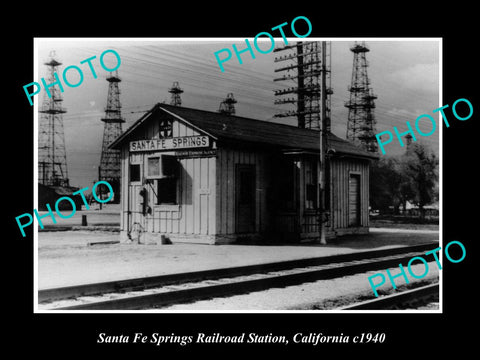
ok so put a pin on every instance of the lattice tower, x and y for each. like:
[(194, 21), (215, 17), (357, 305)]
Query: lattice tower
[(361, 126), (227, 106), (52, 157), (175, 90), (109, 169)]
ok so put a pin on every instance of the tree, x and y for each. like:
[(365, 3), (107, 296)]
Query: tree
[(420, 166), (385, 183)]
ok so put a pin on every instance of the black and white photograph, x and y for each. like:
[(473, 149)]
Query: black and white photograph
[(213, 175)]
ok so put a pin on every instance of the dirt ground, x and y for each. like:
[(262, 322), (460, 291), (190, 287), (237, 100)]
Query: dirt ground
[(328, 294), (65, 258), (109, 215), (374, 223)]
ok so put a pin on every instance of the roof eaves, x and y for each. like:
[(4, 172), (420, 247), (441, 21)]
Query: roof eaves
[(189, 123), (136, 124), (360, 155)]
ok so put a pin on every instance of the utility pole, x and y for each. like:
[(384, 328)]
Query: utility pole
[(324, 129), (312, 62)]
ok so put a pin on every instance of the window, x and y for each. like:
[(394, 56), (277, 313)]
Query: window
[(169, 165), (167, 191), (153, 167), (162, 166), (135, 173)]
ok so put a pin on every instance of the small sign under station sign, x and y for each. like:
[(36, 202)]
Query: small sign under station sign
[(183, 142)]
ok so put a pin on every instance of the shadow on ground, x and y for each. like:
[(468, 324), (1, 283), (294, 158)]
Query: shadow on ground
[(372, 240)]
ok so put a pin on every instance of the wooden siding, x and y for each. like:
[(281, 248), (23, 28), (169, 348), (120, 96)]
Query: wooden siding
[(354, 200), (227, 159), (194, 212), (206, 192), (339, 183)]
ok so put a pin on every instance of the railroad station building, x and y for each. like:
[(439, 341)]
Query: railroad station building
[(190, 175)]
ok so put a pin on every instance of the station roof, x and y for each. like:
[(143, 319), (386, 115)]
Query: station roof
[(240, 129)]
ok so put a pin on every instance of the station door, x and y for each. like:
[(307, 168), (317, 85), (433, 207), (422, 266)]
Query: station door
[(245, 198)]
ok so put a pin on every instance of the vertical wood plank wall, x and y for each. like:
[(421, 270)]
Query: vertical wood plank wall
[(227, 159), (195, 212), (340, 174), (206, 203)]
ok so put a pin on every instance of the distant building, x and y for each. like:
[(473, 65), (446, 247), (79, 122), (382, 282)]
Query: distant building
[(200, 176), (430, 210)]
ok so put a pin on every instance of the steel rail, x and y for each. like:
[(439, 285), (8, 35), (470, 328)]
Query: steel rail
[(228, 286), (61, 293), (394, 300)]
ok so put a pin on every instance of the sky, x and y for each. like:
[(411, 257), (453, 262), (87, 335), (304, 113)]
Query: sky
[(404, 74)]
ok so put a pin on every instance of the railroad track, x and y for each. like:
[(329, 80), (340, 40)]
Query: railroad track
[(158, 291), (408, 299)]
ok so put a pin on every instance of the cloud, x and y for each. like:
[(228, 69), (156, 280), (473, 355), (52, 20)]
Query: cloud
[(401, 113), (418, 77)]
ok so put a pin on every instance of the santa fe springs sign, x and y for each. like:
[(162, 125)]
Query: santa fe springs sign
[(175, 143)]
